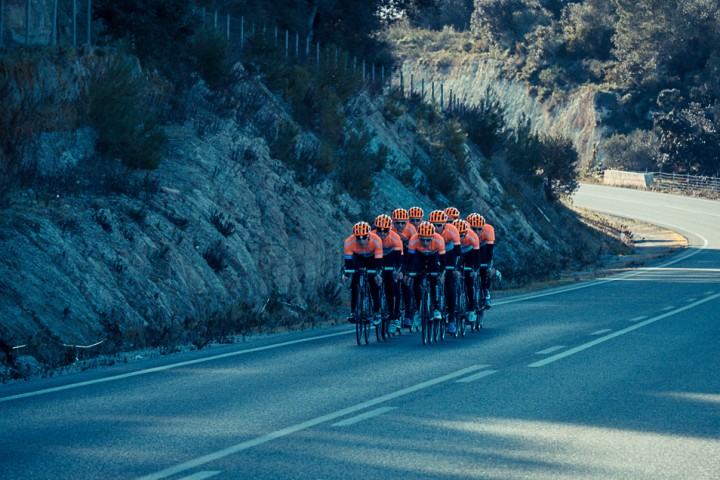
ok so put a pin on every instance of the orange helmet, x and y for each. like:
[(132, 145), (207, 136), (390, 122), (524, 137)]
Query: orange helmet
[(452, 212), (416, 212), (437, 216), (475, 220), (383, 221), (400, 214), (361, 228), (425, 229), (461, 225)]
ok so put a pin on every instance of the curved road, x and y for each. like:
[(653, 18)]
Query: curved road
[(613, 378)]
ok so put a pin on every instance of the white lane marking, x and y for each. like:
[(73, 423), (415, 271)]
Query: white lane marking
[(709, 293), (585, 346), (211, 457), (669, 307), (637, 319), (477, 376), (600, 332), (200, 476), (690, 300), (550, 350), (364, 416), (170, 366)]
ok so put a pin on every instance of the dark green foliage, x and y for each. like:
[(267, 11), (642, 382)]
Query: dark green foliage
[(484, 123), (559, 167), (638, 151), (121, 111), (158, 31), (358, 164), (215, 256), (210, 48)]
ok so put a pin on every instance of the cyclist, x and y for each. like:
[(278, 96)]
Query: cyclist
[(426, 253), (486, 234), (416, 215), (452, 214), (450, 235), (469, 262), (406, 230), (363, 249), (392, 267)]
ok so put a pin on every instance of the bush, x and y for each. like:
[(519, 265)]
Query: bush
[(639, 151), (121, 111), (210, 47)]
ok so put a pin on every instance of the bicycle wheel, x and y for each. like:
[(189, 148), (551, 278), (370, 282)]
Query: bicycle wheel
[(367, 318), (359, 311), (461, 310), (425, 315)]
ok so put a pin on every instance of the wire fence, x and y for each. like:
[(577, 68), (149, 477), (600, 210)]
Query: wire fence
[(687, 183), (47, 23)]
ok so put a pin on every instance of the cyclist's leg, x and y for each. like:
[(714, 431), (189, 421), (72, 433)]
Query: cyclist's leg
[(470, 291), (450, 285)]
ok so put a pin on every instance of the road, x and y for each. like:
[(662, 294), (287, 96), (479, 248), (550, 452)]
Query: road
[(613, 378)]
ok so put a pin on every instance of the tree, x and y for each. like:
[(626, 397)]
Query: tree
[(505, 22), (558, 168)]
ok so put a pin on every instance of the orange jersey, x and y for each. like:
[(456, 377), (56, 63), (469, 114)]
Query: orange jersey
[(436, 246), (451, 236), (392, 243), (487, 237), (407, 233), (470, 241), (373, 247)]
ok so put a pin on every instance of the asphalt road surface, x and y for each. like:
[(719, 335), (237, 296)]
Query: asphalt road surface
[(616, 378)]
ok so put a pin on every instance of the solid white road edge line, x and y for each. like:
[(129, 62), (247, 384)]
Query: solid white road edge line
[(304, 425), (585, 346), (168, 367)]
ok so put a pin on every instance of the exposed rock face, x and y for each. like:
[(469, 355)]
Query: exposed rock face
[(228, 228), (578, 118)]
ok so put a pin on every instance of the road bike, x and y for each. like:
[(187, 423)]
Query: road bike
[(479, 305), (461, 305), (429, 327), (363, 310)]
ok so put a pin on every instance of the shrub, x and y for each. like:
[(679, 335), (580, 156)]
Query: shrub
[(638, 151), (122, 113), (210, 48)]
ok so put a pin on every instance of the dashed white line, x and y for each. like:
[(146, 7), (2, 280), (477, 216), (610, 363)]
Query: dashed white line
[(585, 346), (600, 332), (550, 350), (690, 300), (364, 416), (637, 319), (211, 457), (669, 307), (477, 376)]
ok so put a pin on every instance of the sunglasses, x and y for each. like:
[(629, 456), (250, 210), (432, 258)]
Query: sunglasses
[(400, 222), (425, 240), (477, 230), (438, 225), (416, 220), (383, 230), (363, 237)]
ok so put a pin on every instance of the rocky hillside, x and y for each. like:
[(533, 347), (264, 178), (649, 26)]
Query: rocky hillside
[(578, 117), (222, 238)]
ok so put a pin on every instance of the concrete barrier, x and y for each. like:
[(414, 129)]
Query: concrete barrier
[(627, 179)]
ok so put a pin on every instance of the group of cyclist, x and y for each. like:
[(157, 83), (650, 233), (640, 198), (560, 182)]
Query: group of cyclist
[(403, 245)]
